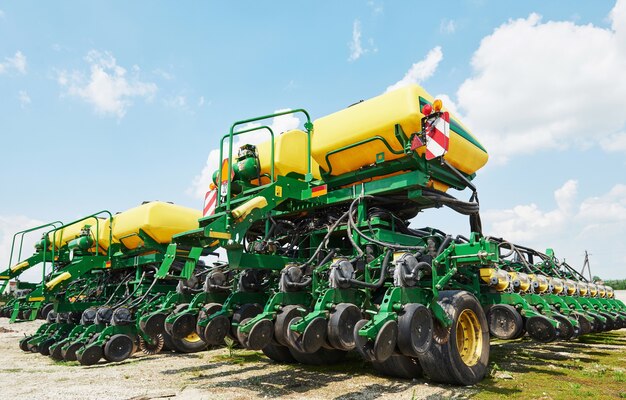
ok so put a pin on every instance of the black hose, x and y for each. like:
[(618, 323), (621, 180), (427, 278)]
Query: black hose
[(381, 278), (446, 242), (370, 239)]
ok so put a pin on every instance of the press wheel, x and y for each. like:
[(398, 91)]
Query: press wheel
[(540, 329), (118, 348), (504, 321), (341, 326), (415, 329)]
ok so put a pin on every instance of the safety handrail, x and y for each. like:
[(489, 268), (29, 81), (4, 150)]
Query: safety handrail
[(22, 234), (94, 216), (308, 126)]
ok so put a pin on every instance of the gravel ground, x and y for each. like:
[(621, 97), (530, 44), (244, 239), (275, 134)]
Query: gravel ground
[(206, 375)]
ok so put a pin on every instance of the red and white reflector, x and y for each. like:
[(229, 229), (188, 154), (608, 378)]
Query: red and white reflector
[(210, 202), (438, 137)]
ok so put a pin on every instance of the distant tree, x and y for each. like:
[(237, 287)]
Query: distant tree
[(596, 278)]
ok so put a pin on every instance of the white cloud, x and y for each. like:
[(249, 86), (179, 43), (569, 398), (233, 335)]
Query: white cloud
[(201, 101), (421, 70), (356, 49), (1, 14), (376, 7), (179, 101), (614, 142), (16, 63), (596, 223), (24, 98), (163, 74), (541, 86), (200, 183), (527, 222), (9, 225), (108, 88), (447, 26)]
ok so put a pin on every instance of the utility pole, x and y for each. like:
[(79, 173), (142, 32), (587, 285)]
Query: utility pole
[(587, 266)]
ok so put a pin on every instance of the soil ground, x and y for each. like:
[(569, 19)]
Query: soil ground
[(589, 367)]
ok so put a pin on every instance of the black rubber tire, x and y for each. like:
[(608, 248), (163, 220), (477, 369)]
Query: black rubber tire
[(44, 346), (118, 348), (206, 311), (567, 331), (399, 366), (44, 310), (70, 353), (185, 345), (90, 356), (540, 329), (363, 346), (415, 329), (341, 323), (168, 344), (154, 325), (260, 335), (24, 344), (278, 353), (609, 325), (322, 356), (56, 352), (168, 326), (281, 324), (585, 325), (505, 322), (442, 362), (250, 310)]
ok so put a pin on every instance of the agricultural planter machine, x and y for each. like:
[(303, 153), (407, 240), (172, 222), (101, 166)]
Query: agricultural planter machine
[(103, 276), (323, 260)]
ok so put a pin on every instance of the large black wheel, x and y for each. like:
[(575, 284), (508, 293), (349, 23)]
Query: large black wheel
[(322, 356), (118, 348), (504, 321), (278, 353), (399, 366), (463, 358)]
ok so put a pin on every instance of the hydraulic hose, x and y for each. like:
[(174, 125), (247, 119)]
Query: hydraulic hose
[(381, 278), (370, 239)]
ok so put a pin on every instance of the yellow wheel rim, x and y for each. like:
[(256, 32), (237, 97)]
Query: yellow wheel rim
[(469, 339), (192, 337)]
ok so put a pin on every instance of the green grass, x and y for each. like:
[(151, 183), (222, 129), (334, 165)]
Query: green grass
[(591, 367)]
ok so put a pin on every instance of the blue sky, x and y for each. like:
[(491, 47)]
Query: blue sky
[(106, 104)]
